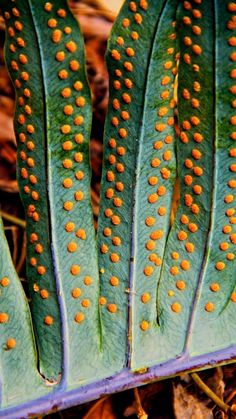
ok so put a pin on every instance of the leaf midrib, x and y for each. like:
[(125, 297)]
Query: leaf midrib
[(134, 228)]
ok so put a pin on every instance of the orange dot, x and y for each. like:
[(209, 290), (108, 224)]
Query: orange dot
[(128, 83), (67, 183), (33, 261), (180, 285), (52, 23), (233, 297), (134, 35), (162, 211), (56, 36), (76, 292), (232, 41), (72, 247), (81, 234), (196, 13), (18, 25), (231, 7), (78, 86), (188, 200), (80, 101), (68, 110), (228, 199), (174, 270), (175, 255), (153, 180), (79, 196), (176, 307), (214, 287), (5, 282), (233, 238), (182, 235), (41, 270), (150, 245), (61, 13), (150, 221), (112, 308), (11, 343), (87, 280), (114, 281), (220, 266), (123, 133), (60, 56), (125, 115), (48, 320), (185, 265), (155, 162), (116, 104), (4, 317), (115, 219), (230, 211), (71, 46), (39, 248), (128, 66), (119, 186), (197, 137), (188, 180), (79, 317), (148, 270), (143, 4), (198, 171), (126, 98), (197, 50), (121, 151), (114, 258), (138, 18), (44, 294), (145, 298), (63, 74), (66, 92), (85, 303), (25, 76), (104, 248), (209, 307), (197, 189), (79, 120), (156, 235), (102, 301), (144, 325)]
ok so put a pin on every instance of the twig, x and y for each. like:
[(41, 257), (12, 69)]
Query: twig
[(94, 407), (141, 414), (15, 220), (220, 403)]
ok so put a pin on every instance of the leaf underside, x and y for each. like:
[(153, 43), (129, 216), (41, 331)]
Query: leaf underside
[(155, 286)]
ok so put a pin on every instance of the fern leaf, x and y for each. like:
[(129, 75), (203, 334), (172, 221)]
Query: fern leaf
[(19, 377), (133, 136), (45, 55)]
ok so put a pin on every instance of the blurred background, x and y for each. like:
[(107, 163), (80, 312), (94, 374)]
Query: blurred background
[(178, 398)]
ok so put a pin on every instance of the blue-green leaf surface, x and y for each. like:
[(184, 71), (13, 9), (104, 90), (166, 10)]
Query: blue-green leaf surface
[(45, 55), (156, 287), (19, 377)]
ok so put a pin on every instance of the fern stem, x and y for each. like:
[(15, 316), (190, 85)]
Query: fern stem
[(15, 220), (220, 403), (141, 414)]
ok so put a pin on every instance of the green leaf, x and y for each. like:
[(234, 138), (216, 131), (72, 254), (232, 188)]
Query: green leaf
[(133, 170), (45, 55), (19, 377), (213, 321), (159, 292)]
